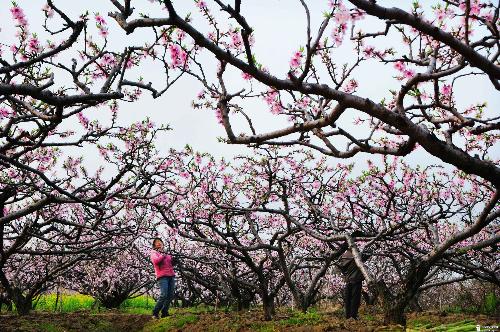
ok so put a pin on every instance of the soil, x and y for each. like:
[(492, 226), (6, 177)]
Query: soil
[(220, 321), (73, 322)]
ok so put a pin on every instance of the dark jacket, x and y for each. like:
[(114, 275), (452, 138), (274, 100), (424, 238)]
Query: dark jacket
[(349, 269)]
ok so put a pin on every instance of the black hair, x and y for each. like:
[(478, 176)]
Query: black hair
[(156, 239)]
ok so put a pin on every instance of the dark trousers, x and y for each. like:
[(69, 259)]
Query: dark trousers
[(352, 299), (167, 285)]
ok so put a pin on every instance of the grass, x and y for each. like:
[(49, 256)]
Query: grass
[(80, 310), (460, 326), (48, 327), (66, 302), (311, 317), (143, 301), (141, 305), (170, 323)]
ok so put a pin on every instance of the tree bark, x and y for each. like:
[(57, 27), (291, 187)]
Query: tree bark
[(395, 314), (268, 306), (23, 303)]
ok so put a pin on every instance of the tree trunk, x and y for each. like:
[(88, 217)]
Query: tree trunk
[(303, 303), (393, 306), (114, 300), (23, 304), (268, 305), (395, 315), (368, 298), (414, 305)]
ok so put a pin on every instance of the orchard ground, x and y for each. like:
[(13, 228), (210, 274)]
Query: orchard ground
[(79, 313)]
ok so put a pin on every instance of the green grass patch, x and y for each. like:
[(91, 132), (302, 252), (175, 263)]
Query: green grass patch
[(491, 304), (460, 326), (65, 302), (171, 323), (49, 327), (421, 324), (143, 301), (369, 317), (310, 317), (136, 311), (263, 327)]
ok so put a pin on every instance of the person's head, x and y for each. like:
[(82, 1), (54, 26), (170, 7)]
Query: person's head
[(157, 243)]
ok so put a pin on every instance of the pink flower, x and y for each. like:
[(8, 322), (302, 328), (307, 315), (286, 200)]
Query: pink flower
[(201, 4), (83, 120), (295, 62), (357, 14), (236, 40), (17, 12), (103, 151), (18, 15), (99, 19), (442, 14), (351, 86), (488, 16), (270, 96), (338, 34), (49, 12), (409, 73), (34, 45), (276, 108), (342, 16), (368, 51), (211, 36), (304, 102), (130, 63), (226, 179), (218, 115), (446, 89), (197, 159), (246, 76), (475, 7), (400, 66), (108, 59), (4, 113), (103, 31), (183, 57), (174, 54), (181, 35)]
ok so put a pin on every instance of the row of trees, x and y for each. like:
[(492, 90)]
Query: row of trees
[(268, 226)]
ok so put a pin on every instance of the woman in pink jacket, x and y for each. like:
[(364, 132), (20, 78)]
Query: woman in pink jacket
[(165, 277)]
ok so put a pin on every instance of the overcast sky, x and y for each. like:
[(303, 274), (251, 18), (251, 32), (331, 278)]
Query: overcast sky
[(279, 31)]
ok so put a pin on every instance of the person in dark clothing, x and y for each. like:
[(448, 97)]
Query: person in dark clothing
[(354, 282), (353, 278)]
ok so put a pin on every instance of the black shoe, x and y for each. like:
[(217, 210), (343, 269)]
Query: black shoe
[(166, 314)]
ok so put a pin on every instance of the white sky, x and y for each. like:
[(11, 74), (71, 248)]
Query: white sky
[(279, 31)]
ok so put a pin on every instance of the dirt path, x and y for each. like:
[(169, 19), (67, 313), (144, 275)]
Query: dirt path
[(73, 322)]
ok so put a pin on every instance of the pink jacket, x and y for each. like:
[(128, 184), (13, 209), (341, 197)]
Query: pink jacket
[(162, 264)]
